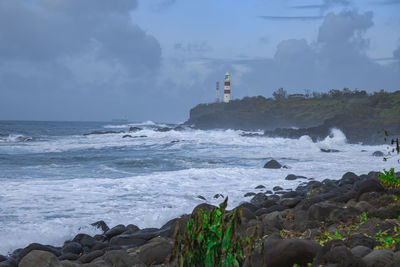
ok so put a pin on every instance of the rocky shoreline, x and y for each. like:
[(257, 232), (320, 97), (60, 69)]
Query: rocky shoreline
[(341, 222)]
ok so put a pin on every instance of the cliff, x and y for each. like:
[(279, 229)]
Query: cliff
[(359, 115)]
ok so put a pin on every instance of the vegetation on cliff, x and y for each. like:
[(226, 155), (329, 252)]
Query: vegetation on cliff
[(356, 113)]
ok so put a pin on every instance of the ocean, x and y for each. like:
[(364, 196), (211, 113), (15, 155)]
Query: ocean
[(56, 181)]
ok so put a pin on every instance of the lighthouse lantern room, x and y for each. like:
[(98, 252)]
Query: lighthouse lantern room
[(227, 88)]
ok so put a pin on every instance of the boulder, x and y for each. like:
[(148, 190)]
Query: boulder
[(258, 199), (360, 251), (163, 129), (287, 252), (379, 258), (360, 240), (370, 185), (155, 252), (204, 207), (35, 246), (378, 154), (390, 212), (291, 177), (335, 252), (116, 230), (69, 256), (321, 211), (348, 178), (289, 202), (131, 228), (272, 164), (249, 194), (85, 240), (120, 258), (101, 225), (72, 247), (274, 219), (259, 187), (3, 258), (86, 258), (249, 206), (329, 150), (127, 240), (38, 258), (277, 188)]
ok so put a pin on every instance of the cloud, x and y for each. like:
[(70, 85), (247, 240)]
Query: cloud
[(396, 54), (325, 5), (336, 59), (160, 5), (292, 18), (84, 54)]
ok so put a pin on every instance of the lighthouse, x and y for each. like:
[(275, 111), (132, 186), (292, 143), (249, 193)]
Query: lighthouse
[(227, 88)]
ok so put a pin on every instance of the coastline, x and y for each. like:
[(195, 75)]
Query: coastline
[(306, 218)]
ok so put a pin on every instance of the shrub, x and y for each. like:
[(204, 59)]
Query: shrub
[(389, 179), (212, 239)]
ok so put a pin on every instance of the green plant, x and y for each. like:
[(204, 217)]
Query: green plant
[(363, 217), (212, 239), (325, 237), (387, 241), (389, 179)]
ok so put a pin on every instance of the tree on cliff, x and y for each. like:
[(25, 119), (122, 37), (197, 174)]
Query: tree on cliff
[(279, 94)]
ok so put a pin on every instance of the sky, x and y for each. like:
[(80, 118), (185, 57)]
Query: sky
[(96, 60)]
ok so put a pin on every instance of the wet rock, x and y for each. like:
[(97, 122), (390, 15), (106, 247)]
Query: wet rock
[(390, 212), (290, 194), (218, 196), (291, 177), (277, 188), (204, 207), (86, 258), (321, 211), (39, 258), (370, 185), (127, 136), (72, 247), (328, 150), (379, 258), (272, 164), (335, 252), (274, 219), (348, 178), (101, 225), (127, 240), (155, 252), (201, 197), (116, 230), (360, 251), (249, 194), (344, 214), (249, 206), (35, 246), (268, 192), (363, 206), (69, 256), (135, 129), (247, 214), (85, 240), (259, 187), (287, 252), (130, 229), (289, 202), (163, 129), (360, 240), (258, 199), (378, 154), (120, 258)]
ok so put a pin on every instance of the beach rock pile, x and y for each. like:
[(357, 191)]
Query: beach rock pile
[(328, 223)]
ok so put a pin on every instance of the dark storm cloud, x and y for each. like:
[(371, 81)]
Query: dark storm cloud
[(292, 18), (74, 57)]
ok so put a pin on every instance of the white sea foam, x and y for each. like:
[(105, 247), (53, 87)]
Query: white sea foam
[(53, 210)]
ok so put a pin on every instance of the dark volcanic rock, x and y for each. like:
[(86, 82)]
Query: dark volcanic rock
[(155, 252), (116, 230), (379, 258), (3, 258), (360, 251), (328, 150), (286, 253), (204, 207), (360, 240), (72, 247), (101, 225), (135, 129), (390, 212), (259, 187), (277, 188), (258, 199), (120, 258), (86, 258), (69, 256), (249, 194), (39, 258), (249, 206), (35, 246), (335, 252), (291, 177), (85, 240), (127, 136), (321, 211), (378, 154), (370, 185), (272, 164), (201, 197), (163, 129), (348, 178)]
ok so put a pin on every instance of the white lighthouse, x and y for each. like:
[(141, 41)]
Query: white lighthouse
[(227, 88)]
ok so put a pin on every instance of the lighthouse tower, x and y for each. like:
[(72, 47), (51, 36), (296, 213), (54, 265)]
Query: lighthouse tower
[(227, 88)]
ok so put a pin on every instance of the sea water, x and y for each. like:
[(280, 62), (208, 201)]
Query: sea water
[(55, 180)]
